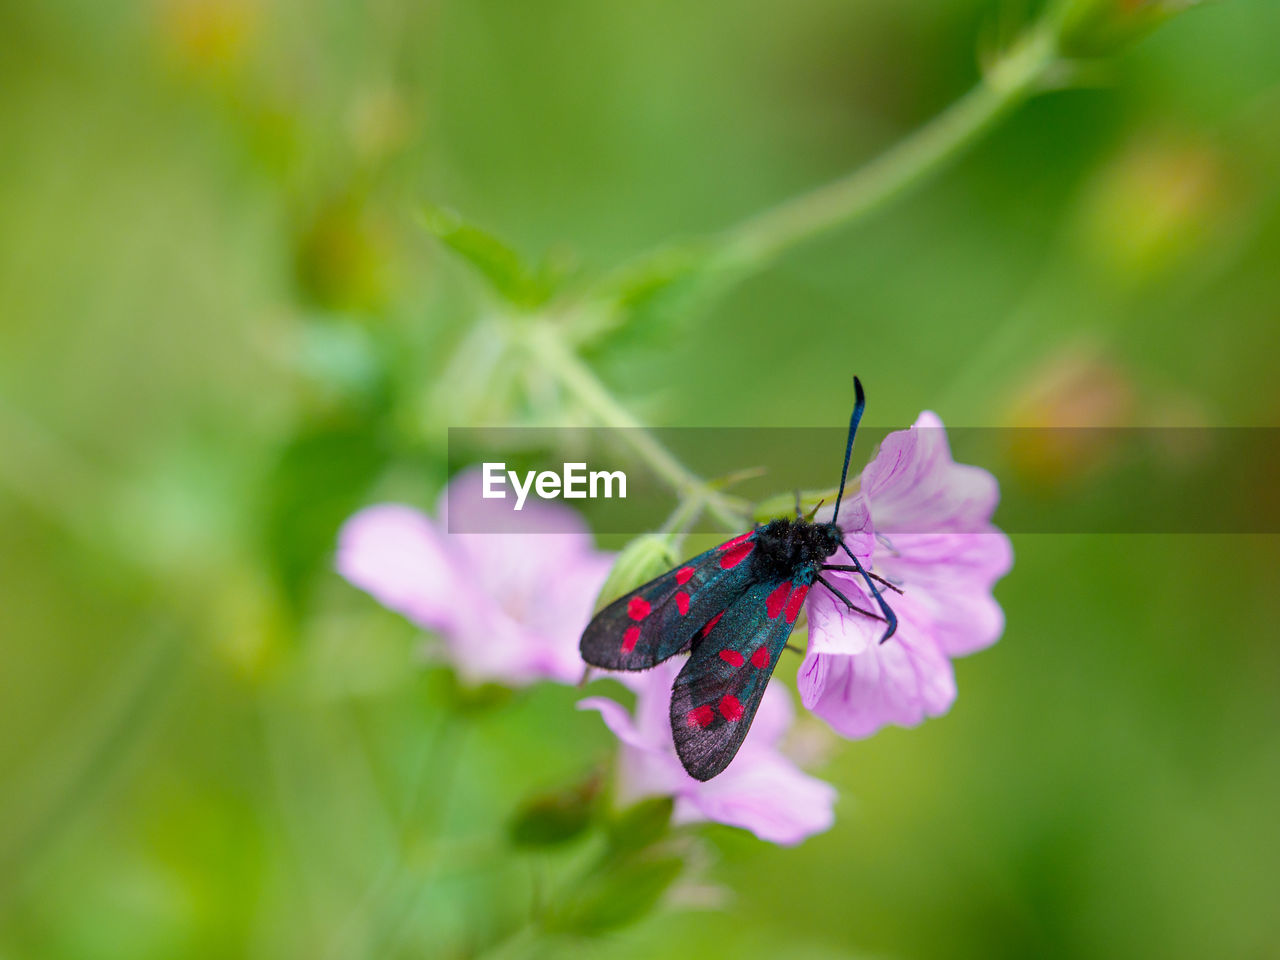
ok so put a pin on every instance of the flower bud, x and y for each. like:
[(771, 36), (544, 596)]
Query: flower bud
[(1096, 28), (640, 561)]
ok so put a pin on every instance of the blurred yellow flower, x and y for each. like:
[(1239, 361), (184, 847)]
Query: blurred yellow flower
[(1077, 388), (207, 35), (1154, 206)]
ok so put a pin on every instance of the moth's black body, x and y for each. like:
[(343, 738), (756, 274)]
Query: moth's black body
[(786, 546), (733, 609)]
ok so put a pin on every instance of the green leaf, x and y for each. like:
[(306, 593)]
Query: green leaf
[(641, 284), (552, 819), (618, 894), (499, 264), (319, 480), (641, 825), (645, 299), (474, 699)]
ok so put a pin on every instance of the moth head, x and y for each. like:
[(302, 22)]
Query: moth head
[(829, 537)]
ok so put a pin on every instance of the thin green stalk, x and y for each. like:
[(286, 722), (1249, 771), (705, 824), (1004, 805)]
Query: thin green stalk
[(721, 260), (762, 238), (47, 475), (757, 241), (555, 357), (683, 516), (112, 733)]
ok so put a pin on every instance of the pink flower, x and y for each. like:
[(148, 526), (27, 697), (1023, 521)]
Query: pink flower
[(923, 522), (761, 790), (509, 607)]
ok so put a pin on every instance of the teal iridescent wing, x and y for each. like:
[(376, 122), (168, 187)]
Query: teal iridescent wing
[(663, 617), (715, 696)]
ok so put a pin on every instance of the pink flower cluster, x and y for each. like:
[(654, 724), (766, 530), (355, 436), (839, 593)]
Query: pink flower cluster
[(762, 790), (511, 607)]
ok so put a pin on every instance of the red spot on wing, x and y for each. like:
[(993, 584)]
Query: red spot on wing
[(638, 608), (732, 657), (795, 603), (682, 602), (629, 639), (730, 707), (710, 623), (701, 716), (683, 575), (760, 659), (736, 554), (774, 603), (740, 538)]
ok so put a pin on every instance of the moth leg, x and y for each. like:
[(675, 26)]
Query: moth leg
[(799, 513), (889, 616), (874, 576), (847, 602)]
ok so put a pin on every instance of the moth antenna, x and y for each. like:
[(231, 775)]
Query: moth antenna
[(859, 404), (890, 617)]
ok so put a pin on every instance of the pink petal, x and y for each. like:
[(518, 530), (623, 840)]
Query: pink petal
[(833, 627), (769, 796), (951, 576), (899, 682), (394, 553), (773, 718), (617, 719), (528, 626), (932, 520), (486, 643), (761, 790), (855, 524), (913, 485)]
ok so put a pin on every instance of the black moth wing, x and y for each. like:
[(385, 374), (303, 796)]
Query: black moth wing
[(716, 694), (660, 619)]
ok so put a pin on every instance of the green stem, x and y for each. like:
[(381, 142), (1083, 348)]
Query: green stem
[(762, 238), (683, 516), (759, 240), (550, 351), (114, 733), (721, 260)]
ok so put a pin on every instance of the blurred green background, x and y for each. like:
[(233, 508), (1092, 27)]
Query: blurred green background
[(221, 327)]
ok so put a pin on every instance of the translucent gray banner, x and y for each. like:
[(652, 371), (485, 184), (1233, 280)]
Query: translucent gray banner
[(1052, 480)]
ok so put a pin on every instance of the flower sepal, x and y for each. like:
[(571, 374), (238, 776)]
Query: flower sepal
[(472, 699), (1097, 28), (621, 889), (641, 825), (558, 817)]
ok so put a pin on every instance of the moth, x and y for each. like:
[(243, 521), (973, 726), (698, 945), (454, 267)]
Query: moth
[(732, 609)]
